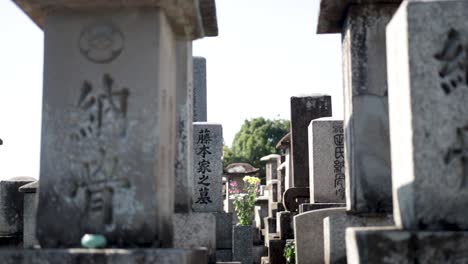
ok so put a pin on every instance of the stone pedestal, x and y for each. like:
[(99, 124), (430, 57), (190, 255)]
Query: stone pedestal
[(275, 252), (99, 256), (315, 206), (242, 244), (334, 228), (284, 225), (308, 232), (389, 245)]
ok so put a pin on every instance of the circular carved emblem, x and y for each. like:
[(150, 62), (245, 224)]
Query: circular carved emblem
[(101, 43)]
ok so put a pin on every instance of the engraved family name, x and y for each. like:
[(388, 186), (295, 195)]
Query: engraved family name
[(207, 164)]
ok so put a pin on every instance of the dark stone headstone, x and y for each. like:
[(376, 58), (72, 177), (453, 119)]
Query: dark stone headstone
[(303, 110)]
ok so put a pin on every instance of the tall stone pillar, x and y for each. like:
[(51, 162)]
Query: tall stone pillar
[(366, 124), (427, 53), (199, 90)]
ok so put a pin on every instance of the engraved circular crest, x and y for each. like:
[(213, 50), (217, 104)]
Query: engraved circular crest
[(101, 43)]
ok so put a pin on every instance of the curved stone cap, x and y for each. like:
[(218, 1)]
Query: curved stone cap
[(190, 19), (333, 12), (20, 179), (273, 157), (284, 142), (240, 169), (30, 187)]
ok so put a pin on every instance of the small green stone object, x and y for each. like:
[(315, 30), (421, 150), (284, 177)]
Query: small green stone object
[(93, 241)]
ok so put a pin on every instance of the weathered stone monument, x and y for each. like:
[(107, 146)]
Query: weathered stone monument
[(426, 44), (109, 127), (29, 214), (366, 130)]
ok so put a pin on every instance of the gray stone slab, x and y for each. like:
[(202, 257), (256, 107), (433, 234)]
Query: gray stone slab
[(11, 206), (258, 252), (387, 245), (272, 162), (428, 92), (99, 256), (326, 161), (189, 19), (29, 214), (333, 13), (315, 206), (224, 223), (242, 244), (208, 167), (308, 232), (303, 110), (195, 230), (183, 165), (367, 145), (112, 172), (334, 229), (199, 90)]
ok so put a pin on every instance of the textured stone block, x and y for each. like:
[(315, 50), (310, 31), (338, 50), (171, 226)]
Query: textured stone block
[(183, 166), (207, 152), (242, 244), (275, 252), (195, 230), (29, 214), (367, 144), (108, 133), (387, 245), (334, 228), (428, 91), (308, 232), (224, 223), (303, 110), (108, 256), (199, 90), (326, 161)]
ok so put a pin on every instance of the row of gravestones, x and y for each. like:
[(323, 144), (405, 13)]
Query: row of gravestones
[(388, 185), (120, 155)]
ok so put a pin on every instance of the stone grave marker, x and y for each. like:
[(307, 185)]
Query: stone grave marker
[(208, 167), (326, 161), (303, 110)]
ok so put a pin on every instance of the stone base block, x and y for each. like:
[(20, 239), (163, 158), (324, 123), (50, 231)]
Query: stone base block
[(389, 245), (108, 256), (195, 230), (275, 252), (308, 232), (259, 252), (306, 207), (334, 228), (10, 241)]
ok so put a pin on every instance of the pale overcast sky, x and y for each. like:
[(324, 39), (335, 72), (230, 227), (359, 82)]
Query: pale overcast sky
[(266, 52)]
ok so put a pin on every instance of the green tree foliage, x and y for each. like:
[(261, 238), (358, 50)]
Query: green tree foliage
[(257, 138)]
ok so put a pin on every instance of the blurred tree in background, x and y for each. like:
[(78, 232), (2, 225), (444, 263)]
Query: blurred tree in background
[(256, 138)]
